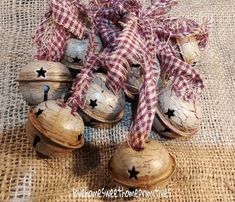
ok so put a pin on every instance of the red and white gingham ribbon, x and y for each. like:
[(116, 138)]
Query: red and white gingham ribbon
[(132, 35), (59, 22)]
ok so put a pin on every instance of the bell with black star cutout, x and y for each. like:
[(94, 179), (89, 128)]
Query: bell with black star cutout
[(44, 80), (53, 130), (176, 117), (102, 107), (147, 169), (75, 52)]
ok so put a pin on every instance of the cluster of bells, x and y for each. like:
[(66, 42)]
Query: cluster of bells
[(54, 131)]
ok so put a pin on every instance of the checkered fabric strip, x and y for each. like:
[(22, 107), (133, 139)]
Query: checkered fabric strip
[(81, 84), (103, 9), (108, 32), (129, 51), (83, 79), (145, 37), (50, 41), (178, 28), (127, 6), (187, 81), (56, 27), (148, 94), (65, 13), (158, 8)]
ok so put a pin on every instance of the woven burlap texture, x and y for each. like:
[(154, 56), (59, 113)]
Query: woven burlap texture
[(205, 162)]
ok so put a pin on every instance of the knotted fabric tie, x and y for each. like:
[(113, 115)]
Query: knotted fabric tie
[(130, 35)]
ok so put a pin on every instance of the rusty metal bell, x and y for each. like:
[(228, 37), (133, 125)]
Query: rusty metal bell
[(176, 117), (44, 80), (149, 168), (102, 107), (53, 130), (75, 52)]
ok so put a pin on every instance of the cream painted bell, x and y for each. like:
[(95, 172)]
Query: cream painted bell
[(53, 130), (175, 117), (75, 52), (44, 80), (149, 168), (189, 49), (102, 107), (134, 80)]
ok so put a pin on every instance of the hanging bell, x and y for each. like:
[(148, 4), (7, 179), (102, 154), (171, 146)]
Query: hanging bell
[(44, 80), (147, 169), (176, 117), (75, 52), (53, 130), (189, 49), (102, 107)]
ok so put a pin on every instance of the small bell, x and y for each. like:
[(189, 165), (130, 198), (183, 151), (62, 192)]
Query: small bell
[(102, 107), (53, 130), (75, 52), (176, 117), (44, 80), (146, 169), (189, 49)]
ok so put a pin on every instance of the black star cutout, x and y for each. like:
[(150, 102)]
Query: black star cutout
[(79, 137), (41, 72), (166, 130), (135, 65), (194, 63), (93, 103), (39, 112), (36, 141), (170, 113), (76, 60), (133, 173)]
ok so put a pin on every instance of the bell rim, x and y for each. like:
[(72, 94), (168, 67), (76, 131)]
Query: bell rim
[(97, 117), (177, 132), (152, 184), (47, 134)]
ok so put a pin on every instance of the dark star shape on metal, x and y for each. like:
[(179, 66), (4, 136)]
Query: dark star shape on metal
[(170, 113), (93, 103), (41, 72), (133, 173), (76, 60), (39, 112), (194, 63)]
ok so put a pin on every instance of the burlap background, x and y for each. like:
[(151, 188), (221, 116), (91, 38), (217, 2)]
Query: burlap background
[(206, 162)]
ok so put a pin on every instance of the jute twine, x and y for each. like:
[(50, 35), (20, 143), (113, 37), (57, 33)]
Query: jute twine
[(205, 162)]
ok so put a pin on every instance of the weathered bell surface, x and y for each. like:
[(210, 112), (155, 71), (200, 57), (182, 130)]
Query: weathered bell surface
[(75, 52), (175, 116), (101, 104), (146, 169), (180, 113), (134, 81), (56, 127), (44, 80), (189, 49)]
